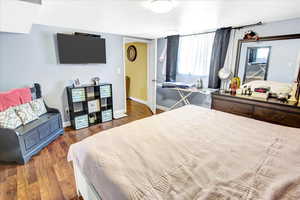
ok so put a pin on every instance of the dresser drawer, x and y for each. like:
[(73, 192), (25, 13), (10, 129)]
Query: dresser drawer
[(277, 116), (269, 110), (233, 107)]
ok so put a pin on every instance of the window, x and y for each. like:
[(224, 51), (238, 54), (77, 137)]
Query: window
[(194, 54)]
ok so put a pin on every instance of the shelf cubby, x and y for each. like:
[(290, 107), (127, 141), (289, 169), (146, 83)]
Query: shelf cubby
[(90, 105)]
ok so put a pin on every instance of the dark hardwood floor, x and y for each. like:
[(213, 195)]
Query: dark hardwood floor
[(48, 175)]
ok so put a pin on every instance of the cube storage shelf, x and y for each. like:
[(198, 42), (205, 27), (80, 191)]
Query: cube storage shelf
[(90, 105)]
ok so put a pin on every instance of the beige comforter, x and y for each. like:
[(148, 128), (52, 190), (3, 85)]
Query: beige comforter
[(192, 153)]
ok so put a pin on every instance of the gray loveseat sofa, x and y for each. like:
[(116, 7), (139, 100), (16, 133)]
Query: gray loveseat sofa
[(20, 144)]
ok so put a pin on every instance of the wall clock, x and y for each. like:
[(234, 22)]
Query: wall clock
[(131, 53)]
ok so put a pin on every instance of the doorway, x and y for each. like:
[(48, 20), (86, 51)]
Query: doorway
[(136, 71), (140, 71)]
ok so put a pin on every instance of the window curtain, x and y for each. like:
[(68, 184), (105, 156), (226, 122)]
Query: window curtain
[(218, 56), (195, 54), (172, 55), (163, 58), (229, 65), (231, 52)]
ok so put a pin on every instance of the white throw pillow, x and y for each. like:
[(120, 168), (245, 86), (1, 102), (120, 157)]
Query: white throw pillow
[(38, 107), (25, 113), (9, 119)]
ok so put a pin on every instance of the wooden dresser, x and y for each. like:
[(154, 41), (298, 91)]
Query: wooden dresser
[(270, 110)]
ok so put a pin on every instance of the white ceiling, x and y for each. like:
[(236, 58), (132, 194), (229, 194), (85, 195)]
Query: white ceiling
[(131, 17)]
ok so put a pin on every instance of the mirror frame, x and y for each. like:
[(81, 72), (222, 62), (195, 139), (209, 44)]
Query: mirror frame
[(267, 38)]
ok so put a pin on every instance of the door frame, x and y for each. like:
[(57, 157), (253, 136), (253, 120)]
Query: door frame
[(148, 42)]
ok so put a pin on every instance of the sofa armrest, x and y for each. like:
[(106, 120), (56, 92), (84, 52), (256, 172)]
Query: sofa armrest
[(9, 146), (54, 110), (51, 110)]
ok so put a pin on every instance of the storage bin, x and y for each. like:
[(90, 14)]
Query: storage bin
[(81, 122), (94, 106), (78, 95), (105, 91), (106, 115)]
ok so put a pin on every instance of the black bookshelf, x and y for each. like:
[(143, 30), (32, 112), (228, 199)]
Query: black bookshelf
[(90, 105)]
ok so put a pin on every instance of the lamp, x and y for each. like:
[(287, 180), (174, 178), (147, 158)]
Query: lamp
[(224, 74)]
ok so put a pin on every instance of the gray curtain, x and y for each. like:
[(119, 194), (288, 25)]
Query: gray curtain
[(218, 56), (172, 55)]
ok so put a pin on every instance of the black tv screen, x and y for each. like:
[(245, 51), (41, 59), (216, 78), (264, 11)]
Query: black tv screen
[(76, 49)]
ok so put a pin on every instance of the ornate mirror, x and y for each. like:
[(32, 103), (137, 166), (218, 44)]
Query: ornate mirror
[(273, 58)]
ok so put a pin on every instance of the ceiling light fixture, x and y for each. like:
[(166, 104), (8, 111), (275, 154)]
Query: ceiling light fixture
[(161, 6)]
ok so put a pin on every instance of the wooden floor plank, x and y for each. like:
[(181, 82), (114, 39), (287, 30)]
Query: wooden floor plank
[(3, 169), (21, 183), (48, 175), (34, 191), (10, 188), (30, 172)]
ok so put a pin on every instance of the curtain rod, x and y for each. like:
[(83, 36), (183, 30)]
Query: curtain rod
[(237, 27)]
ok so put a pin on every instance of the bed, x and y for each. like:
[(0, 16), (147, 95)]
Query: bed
[(191, 153)]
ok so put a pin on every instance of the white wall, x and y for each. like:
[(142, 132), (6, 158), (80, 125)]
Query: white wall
[(17, 16), (29, 58)]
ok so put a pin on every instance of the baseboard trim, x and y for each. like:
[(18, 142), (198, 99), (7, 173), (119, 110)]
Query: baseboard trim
[(138, 100), (163, 108), (119, 114)]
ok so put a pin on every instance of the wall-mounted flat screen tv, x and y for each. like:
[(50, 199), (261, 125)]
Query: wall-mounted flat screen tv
[(78, 49)]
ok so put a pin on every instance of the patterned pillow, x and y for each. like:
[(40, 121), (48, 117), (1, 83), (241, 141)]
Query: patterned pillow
[(26, 113), (9, 119), (38, 107)]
